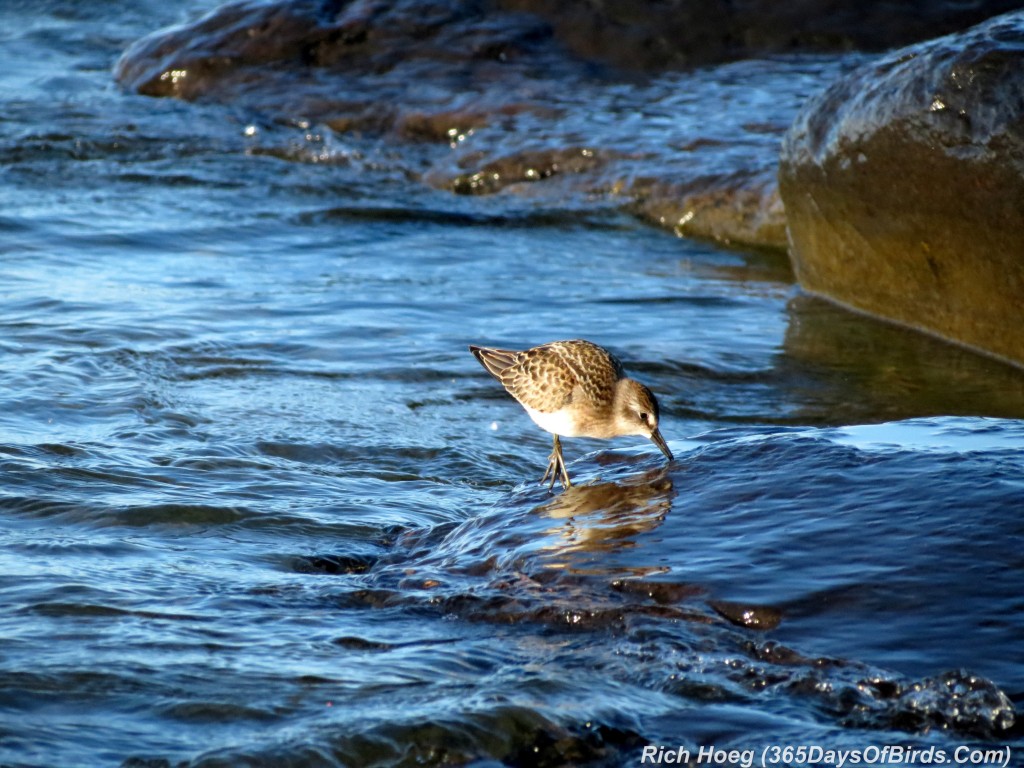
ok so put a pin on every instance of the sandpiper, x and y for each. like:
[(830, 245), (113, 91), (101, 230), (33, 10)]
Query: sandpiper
[(574, 389)]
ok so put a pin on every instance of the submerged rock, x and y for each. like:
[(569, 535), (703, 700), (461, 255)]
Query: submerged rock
[(746, 615), (492, 97), (904, 188), (486, 99), (956, 700), (525, 167)]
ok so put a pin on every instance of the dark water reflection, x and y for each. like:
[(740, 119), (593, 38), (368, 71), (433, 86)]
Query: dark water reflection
[(596, 519), (260, 506)]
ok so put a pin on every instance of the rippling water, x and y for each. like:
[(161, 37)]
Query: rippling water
[(260, 506)]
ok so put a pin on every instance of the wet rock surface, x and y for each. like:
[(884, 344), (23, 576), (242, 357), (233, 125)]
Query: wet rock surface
[(682, 33), (483, 100), (904, 188), (901, 182)]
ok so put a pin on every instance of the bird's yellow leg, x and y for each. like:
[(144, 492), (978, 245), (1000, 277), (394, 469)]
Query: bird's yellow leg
[(556, 467)]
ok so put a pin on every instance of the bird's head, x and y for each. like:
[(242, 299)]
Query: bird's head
[(636, 413)]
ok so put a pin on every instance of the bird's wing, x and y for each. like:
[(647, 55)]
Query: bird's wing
[(595, 369), (540, 379), (551, 376), (494, 360)]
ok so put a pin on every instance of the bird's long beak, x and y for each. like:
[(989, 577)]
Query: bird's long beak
[(659, 441)]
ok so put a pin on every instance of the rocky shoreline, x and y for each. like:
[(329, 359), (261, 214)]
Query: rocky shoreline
[(900, 187)]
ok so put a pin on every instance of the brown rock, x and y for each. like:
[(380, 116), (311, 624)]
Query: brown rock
[(525, 167), (762, 617), (904, 188), (504, 83), (743, 209), (673, 34)]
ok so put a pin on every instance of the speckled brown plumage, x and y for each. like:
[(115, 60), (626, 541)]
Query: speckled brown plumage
[(553, 376), (576, 389)]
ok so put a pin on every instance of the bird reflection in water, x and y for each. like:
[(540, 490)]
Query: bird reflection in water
[(604, 517), (597, 532)]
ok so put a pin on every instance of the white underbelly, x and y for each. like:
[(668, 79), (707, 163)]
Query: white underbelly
[(558, 422)]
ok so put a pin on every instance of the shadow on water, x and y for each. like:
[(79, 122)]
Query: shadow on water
[(834, 367), (856, 369)]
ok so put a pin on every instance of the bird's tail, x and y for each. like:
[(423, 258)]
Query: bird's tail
[(494, 360)]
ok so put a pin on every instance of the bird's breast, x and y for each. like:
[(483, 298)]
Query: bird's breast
[(573, 422), (561, 422)]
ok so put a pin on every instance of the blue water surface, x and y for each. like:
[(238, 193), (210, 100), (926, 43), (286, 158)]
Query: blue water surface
[(259, 505)]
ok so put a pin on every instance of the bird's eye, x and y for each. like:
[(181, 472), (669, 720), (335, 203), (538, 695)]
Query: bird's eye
[(644, 417)]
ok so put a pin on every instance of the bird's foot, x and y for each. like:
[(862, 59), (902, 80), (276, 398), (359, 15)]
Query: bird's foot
[(556, 468)]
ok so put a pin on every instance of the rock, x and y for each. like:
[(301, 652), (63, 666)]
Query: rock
[(322, 47), (215, 53), (513, 98), (482, 100), (741, 209), (525, 167), (903, 185), (660, 34), (763, 617)]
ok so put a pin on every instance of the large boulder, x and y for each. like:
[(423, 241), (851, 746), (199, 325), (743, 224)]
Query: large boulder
[(904, 188)]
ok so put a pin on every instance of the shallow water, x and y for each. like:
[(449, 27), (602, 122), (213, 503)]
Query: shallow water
[(261, 507)]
